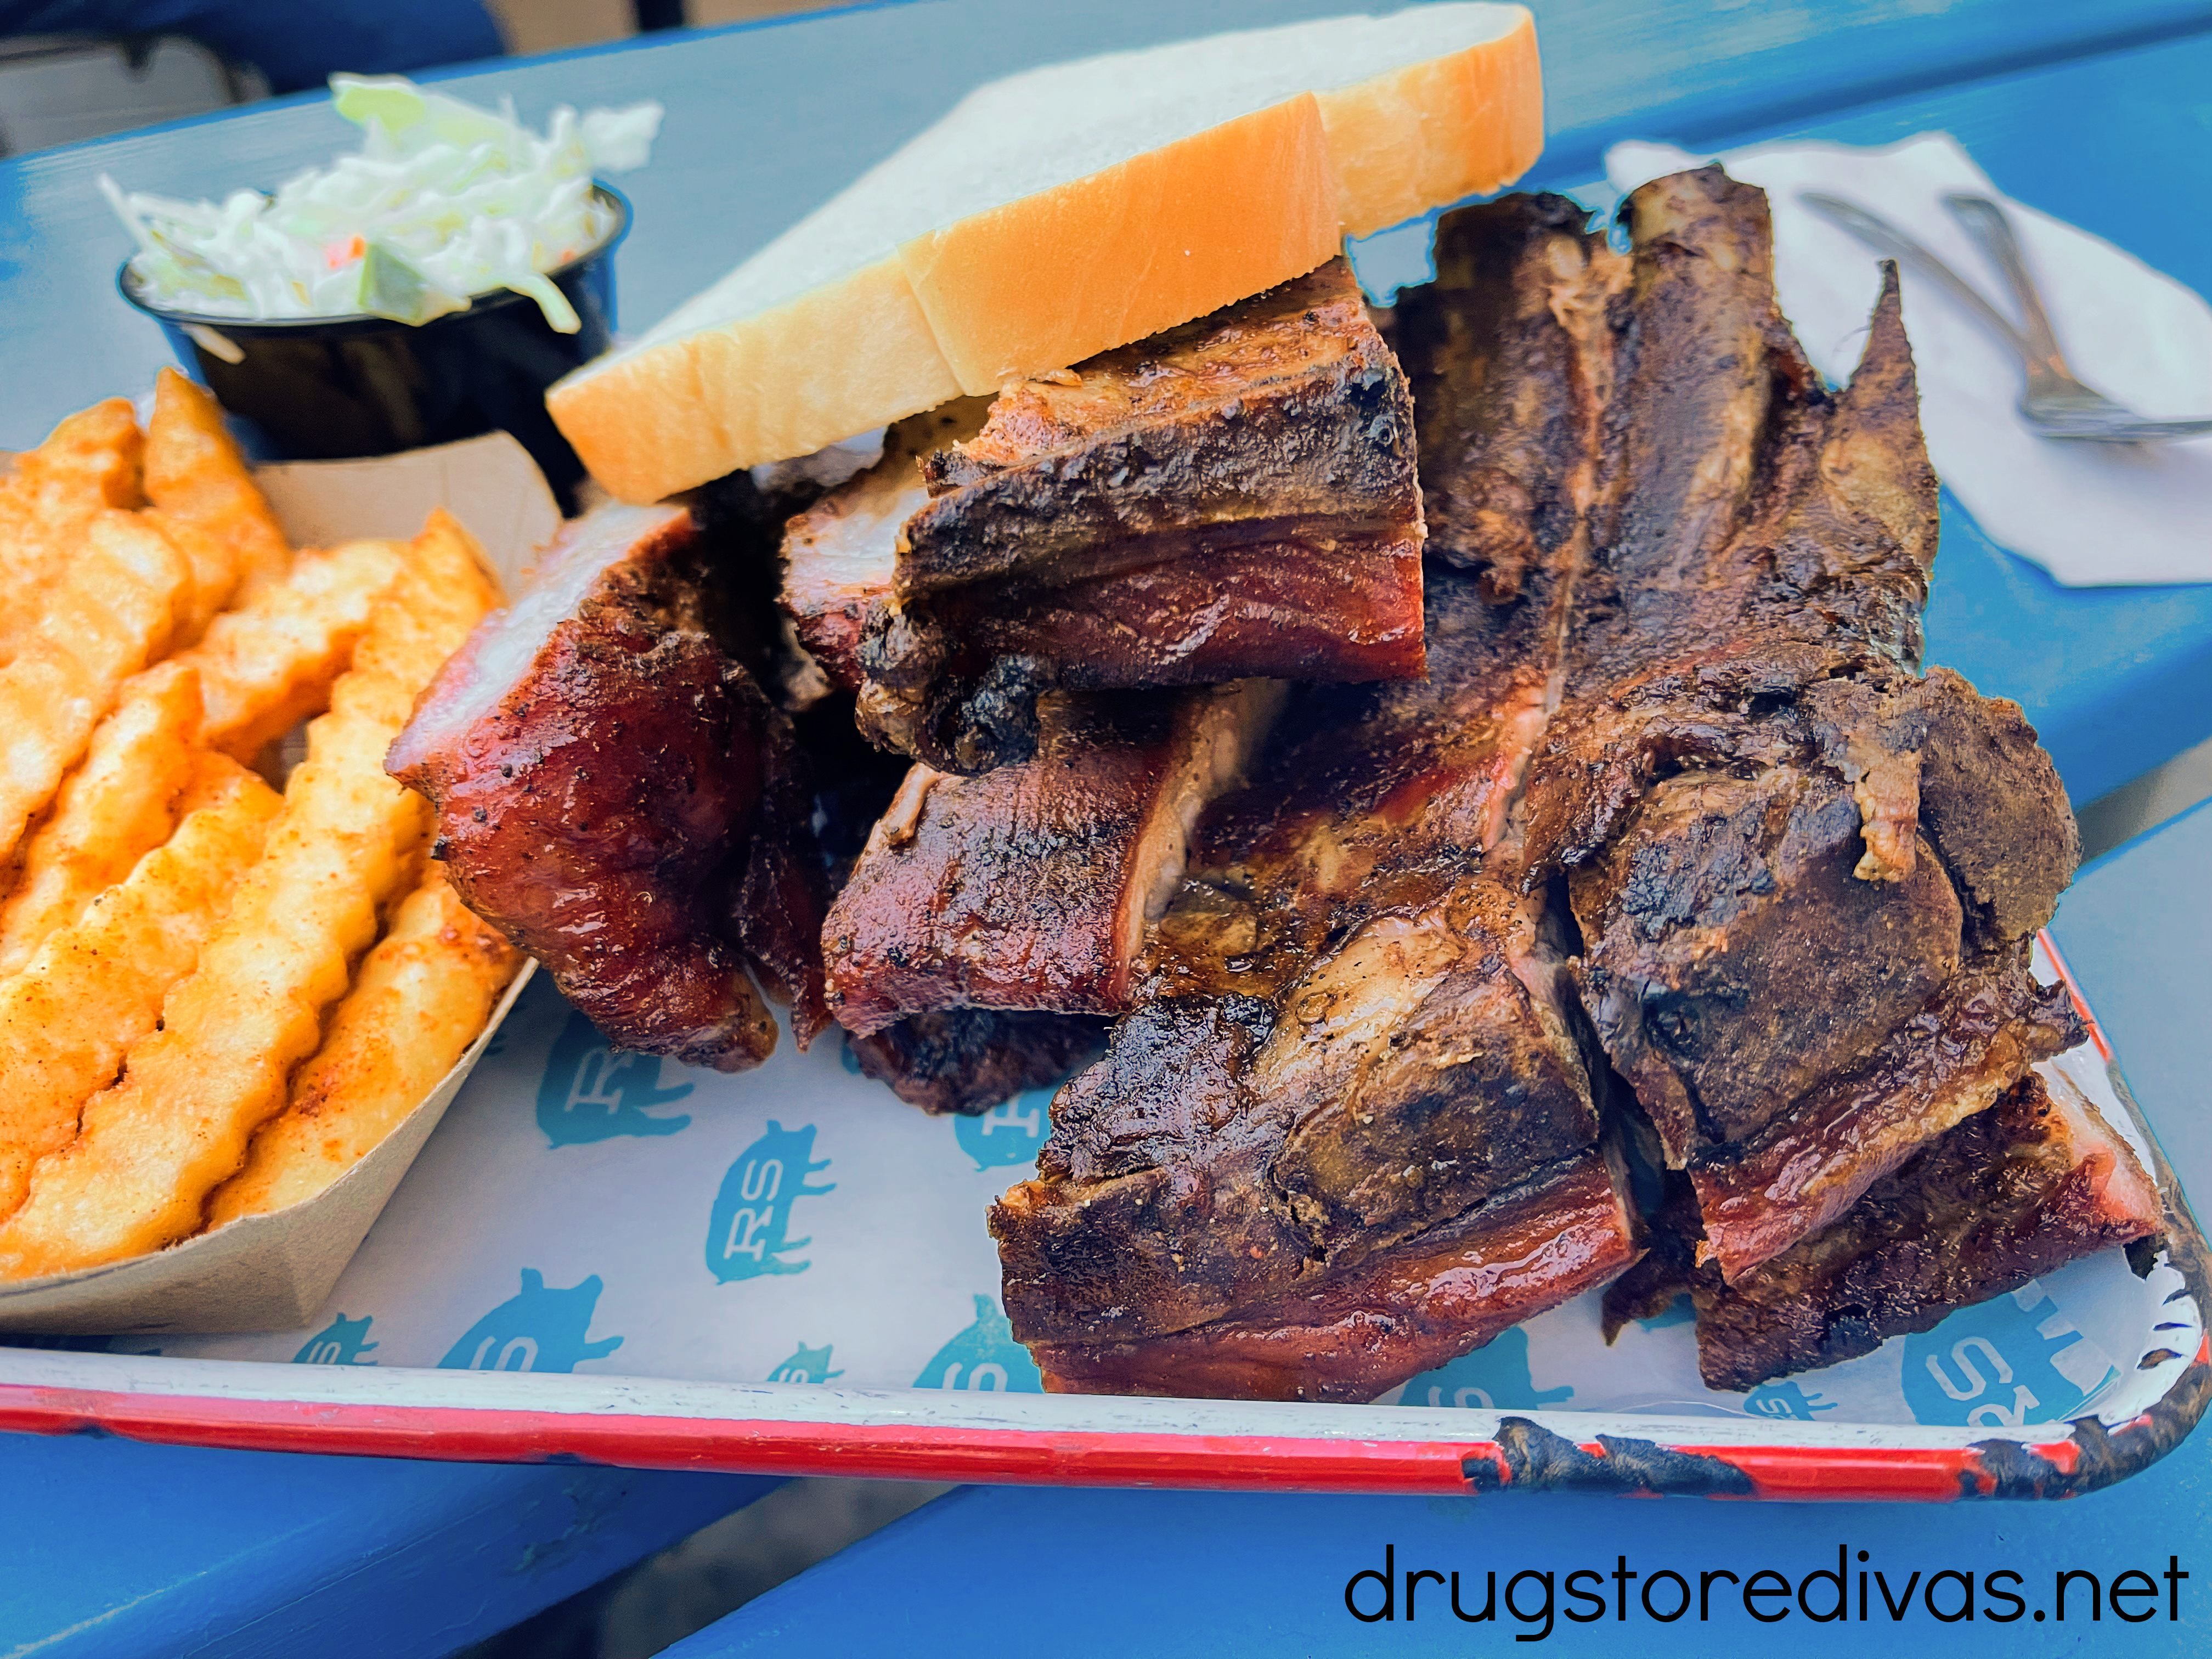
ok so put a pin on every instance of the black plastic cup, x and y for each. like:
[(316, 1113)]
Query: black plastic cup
[(335, 388)]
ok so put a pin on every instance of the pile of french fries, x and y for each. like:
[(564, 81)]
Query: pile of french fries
[(221, 984)]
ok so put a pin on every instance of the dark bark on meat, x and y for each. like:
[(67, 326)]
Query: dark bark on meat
[(1229, 1149), (1952, 1058), (1501, 451), (1992, 801), (1777, 856), (1030, 886), (1733, 960), (1232, 499), (1566, 1229), (2010, 1193), (968, 1059)]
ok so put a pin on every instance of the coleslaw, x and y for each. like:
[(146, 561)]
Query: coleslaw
[(443, 202)]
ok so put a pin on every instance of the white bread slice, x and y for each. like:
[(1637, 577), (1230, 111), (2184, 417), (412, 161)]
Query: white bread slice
[(1058, 213)]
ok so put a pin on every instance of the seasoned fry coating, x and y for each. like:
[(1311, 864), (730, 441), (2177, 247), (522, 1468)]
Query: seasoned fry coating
[(106, 617), (214, 578), (418, 1001), (95, 988), (89, 462), (96, 457), (269, 663), (152, 1148), (120, 805), (195, 476)]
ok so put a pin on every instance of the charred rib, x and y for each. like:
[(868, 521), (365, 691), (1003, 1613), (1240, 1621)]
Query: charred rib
[(2010, 1193), (1032, 886), (1234, 498)]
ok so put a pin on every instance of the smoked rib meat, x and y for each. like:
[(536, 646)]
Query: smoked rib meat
[(616, 795), (1030, 886), (1232, 499), (1357, 1030), (1415, 875), (2011, 1192), (1675, 818)]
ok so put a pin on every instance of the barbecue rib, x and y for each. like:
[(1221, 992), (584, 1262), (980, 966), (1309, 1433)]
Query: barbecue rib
[(1234, 498), (615, 795), (840, 554), (2010, 1193), (968, 1059), (1951, 1059), (1356, 1037), (1030, 886), (1566, 1230), (1673, 604), (1804, 875)]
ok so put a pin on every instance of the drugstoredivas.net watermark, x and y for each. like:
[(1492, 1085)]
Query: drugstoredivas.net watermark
[(1856, 1590)]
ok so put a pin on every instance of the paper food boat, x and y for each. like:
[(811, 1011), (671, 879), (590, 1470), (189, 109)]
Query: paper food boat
[(266, 1272)]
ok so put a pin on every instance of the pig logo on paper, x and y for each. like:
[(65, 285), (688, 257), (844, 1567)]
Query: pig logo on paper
[(590, 1092), (338, 1343), (985, 1357), (1786, 1400), (750, 1228), (1009, 1132), (539, 1330), (1494, 1378), (807, 1365), (2003, 1363)]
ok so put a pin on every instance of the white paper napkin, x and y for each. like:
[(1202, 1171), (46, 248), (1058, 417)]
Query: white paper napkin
[(2091, 514)]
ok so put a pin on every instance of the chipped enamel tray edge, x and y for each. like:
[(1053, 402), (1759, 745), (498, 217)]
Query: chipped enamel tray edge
[(796, 1428)]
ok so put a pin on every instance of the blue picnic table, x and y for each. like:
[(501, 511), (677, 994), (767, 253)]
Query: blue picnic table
[(2095, 113)]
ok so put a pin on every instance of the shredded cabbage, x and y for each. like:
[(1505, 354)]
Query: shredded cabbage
[(443, 201)]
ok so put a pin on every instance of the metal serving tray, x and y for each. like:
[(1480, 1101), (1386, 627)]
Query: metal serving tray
[(605, 1258)]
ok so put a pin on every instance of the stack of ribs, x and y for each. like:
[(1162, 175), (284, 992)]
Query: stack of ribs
[(1672, 858), (1356, 1123), (1232, 499), (1805, 878), (1470, 771), (1076, 605)]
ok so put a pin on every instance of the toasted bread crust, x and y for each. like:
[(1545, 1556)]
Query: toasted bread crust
[(1430, 134)]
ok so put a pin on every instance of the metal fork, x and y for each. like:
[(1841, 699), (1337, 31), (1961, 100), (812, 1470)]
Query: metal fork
[(2055, 402)]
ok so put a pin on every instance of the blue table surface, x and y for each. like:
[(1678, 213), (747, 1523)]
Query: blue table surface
[(110, 1550), (2093, 113), (1201, 1574)]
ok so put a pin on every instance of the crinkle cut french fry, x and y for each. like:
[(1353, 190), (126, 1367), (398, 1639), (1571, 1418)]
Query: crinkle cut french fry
[(150, 1149), (420, 999), (95, 988), (105, 618), (213, 578), (96, 457), (206, 780), (112, 810), (195, 474), (268, 665), (89, 462)]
